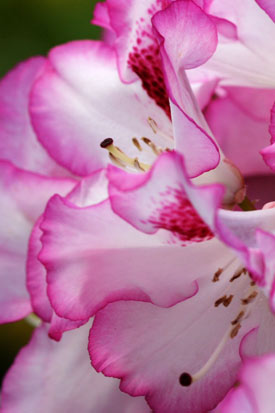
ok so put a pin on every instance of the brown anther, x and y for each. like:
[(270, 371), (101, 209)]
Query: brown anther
[(153, 124), (224, 300), (115, 160), (252, 283), (217, 274), (235, 330), (146, 140), (220, 300), (137, 144), (238, 274), (107, 142), (238, 318), (228, 300), (137, 165), (250, 298)]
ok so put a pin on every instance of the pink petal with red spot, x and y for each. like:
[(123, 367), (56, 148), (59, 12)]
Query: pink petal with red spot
[(190, 128), (57, 377), (18, 142), (80, 101), (137, 47), (86, 268), (255, 390), (23, 197), (142, 200)]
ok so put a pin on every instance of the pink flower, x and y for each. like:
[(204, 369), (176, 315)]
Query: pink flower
[(175, 308)]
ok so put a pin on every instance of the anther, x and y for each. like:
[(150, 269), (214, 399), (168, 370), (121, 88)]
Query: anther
[(224, 300), (138, 165), (250, 298), (235, 330), (137, 144), (151, 144), (153, 124), (238, 274), (238, 318), (228, 300), (185, 379), (217, 274), (107, 142)]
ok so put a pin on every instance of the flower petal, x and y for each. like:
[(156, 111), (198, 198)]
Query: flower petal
[(156, 345), (18, 142), (80, 101), (86, 268), (190, 128), (268, 6), (249, 60), (57, 377), (255, 392), (23, 197), (240, 128)]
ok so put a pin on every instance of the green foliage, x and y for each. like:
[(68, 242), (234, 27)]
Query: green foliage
[(32, 27)]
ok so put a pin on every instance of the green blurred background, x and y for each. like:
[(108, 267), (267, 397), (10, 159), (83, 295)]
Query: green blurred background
[(32, 27)]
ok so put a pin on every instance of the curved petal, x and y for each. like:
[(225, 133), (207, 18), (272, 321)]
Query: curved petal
[(240, 128), (86, 268), (249, 60), (136, 46), (155, 346), (255, 392), (18, 142), (178, 55), (80, 101), (57, 377), (23, 197)]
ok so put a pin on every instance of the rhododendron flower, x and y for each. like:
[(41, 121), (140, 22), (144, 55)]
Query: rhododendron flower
[(176, 275)]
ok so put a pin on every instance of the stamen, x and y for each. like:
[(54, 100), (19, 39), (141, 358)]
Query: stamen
[(155, 128), (238, 318), (33, 320), (235, 330), (137, 144), (186, 379), (237, 274), (153, 124), (217, 274), (250, 298), (120, 158), (224, 300), (157, 151)]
